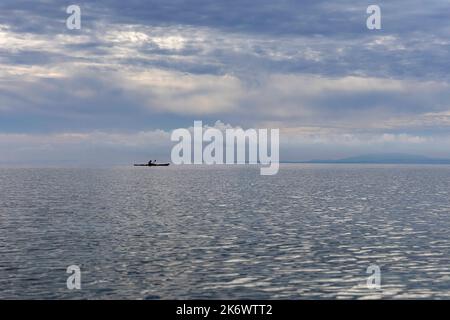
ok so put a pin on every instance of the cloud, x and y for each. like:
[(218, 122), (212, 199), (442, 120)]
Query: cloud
[(74, 149), (142, 66), (99, 148)]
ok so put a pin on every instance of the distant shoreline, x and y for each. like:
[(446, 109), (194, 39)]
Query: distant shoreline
[(386, 158), (361, 162)]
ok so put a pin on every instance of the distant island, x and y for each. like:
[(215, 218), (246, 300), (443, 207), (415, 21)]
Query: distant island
[(386, 158)]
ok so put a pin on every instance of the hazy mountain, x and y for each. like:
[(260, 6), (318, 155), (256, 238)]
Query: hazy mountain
[(388, 158)]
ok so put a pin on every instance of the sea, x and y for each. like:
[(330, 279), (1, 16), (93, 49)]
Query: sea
[(313, 231)]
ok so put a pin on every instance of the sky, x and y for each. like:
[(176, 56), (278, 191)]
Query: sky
[(112, 92)]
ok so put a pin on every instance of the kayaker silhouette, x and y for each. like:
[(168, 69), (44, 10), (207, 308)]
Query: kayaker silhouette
[(152, 163)]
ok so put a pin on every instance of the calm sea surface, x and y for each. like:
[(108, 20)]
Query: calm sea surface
[(226, 232)]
